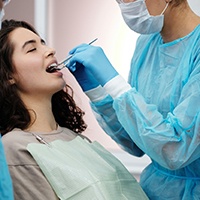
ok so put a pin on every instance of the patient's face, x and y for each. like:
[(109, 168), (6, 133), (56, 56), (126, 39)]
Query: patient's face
[(31, 57)]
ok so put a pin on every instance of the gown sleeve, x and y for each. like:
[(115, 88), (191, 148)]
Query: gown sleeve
[(108, 120), (6, 191)]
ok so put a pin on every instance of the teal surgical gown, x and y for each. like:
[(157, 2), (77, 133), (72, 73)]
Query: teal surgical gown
[(6, 192), (160, 115)]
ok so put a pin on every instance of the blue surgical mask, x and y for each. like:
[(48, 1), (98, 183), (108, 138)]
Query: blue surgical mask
[(137, 17)]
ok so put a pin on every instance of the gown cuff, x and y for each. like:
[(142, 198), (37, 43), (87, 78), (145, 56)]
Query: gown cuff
[(96, 94), (116, 86)]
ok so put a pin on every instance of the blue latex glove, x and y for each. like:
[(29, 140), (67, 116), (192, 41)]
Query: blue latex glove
[(84, 77), (94, 60)]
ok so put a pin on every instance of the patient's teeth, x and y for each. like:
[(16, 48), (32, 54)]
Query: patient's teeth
[(52, 68)]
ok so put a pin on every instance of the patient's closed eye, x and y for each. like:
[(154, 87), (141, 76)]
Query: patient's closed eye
[(31, 50)]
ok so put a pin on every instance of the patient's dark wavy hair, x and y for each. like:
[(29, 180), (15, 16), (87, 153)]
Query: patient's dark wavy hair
[(13, 112)]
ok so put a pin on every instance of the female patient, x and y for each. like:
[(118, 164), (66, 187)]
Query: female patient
[(36, 104)]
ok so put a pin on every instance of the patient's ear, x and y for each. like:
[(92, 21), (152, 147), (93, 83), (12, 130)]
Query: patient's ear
[(11, 81)]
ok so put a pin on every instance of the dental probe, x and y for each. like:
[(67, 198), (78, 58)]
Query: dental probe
[(55, 67)]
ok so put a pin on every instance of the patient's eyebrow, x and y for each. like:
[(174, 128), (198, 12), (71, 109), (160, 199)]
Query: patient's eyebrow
[(32, 42), (28, 42)]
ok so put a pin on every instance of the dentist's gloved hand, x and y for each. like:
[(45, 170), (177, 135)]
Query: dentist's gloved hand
[(95, 61), (84, 77)]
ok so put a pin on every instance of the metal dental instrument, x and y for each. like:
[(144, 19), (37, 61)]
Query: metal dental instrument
[(64, 63), (40, 139)]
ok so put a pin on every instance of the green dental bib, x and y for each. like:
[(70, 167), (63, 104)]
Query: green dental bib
[(79, 170)]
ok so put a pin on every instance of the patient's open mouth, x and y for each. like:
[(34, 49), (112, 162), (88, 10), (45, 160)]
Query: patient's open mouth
[(52, 68)]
